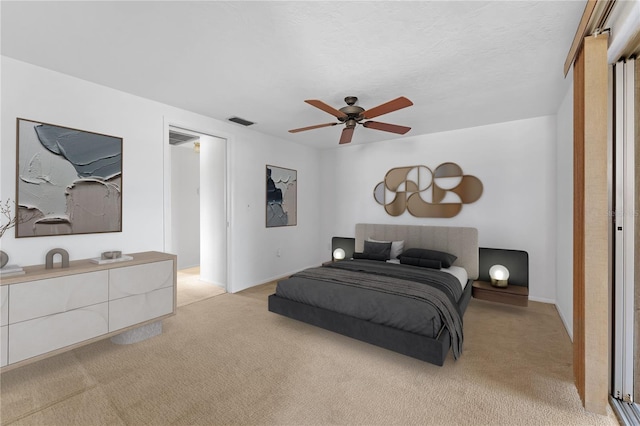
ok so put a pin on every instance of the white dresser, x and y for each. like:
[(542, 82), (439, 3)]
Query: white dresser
[(48, 311)]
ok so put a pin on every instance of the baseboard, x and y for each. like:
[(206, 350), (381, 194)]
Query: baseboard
[(542, 300), (275, 278), (560, 313), (183, 267), (566, 324)]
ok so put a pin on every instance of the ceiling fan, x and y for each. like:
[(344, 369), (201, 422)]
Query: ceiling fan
[(352, 114)]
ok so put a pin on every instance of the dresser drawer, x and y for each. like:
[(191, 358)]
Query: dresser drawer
[(4, 305), (44, 334), (55, 295), (135, 280), (131, 310), (4, 342)]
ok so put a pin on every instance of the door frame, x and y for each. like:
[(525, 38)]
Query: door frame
[(167, 176), (624, 232)]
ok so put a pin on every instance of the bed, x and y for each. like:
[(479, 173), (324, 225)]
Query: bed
[(387, 303)]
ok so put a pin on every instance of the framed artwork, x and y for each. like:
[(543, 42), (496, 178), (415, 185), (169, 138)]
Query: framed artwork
[(282, 197), (68, 181)]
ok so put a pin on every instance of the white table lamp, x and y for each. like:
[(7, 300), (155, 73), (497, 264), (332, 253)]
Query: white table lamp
[(499, 275)]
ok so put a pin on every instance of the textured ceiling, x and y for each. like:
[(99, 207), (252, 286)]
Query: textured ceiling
[(461, 63)]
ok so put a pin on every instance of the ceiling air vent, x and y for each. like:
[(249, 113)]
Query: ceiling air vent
[(176, 138), (241, 121)]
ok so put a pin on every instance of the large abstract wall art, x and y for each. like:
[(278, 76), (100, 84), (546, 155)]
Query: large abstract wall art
[(282, 197), (425, 193), (68, 181)]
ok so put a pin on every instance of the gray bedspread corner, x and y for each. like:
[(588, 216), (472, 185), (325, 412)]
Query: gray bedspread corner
[(433, 277)]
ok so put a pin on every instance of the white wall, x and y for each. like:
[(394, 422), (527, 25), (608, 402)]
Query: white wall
[(298, 245), (516, 162), (185, 206), (564, 210), (36, 93)]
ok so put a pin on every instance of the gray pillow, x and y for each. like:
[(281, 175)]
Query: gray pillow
[(446, 259), (396, 247), (369, 256), (377, 249), (423, 263)]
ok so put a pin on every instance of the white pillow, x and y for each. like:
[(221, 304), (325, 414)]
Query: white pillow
[(397, 247)]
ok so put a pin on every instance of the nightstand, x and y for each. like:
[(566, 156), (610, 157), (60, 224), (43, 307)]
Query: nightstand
[(517, 262), (512, 294)]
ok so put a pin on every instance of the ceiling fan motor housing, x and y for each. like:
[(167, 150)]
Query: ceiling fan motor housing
[(354, 112)]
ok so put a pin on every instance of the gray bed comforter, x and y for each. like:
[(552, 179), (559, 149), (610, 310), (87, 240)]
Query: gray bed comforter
[(418, 300)]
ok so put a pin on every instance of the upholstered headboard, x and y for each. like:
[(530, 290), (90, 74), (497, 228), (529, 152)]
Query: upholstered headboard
[(460, 241)]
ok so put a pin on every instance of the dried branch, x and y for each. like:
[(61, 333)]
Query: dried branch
[(5, 210)]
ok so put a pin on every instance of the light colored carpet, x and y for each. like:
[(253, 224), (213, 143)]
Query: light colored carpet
[(191, 289), (228, 361)]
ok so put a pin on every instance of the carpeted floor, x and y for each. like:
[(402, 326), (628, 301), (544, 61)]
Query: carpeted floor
[(227, 360), (191, 289)]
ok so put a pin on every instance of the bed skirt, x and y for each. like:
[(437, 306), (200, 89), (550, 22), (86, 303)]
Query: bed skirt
[(431, 350)]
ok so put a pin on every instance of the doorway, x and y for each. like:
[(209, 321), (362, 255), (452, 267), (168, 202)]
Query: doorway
[(197, 213)]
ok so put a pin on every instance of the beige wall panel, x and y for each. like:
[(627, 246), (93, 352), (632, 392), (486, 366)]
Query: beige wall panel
[(591, 278), (578, 224)]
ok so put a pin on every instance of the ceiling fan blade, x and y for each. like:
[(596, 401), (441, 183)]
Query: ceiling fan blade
[(326, 108), (387, 107), (347, 134), (317, 126), (393, 128)]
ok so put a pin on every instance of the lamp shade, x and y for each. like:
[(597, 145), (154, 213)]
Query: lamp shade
[(346, 244), (499, 275)]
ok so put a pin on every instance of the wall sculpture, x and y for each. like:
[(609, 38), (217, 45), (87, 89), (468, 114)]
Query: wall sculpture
[(426, 193)]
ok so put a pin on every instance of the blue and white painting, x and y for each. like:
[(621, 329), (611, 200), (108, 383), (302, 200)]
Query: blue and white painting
[(282, 201), (69, 181)]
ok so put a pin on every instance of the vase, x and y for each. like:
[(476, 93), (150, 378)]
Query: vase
[(4, 259)]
